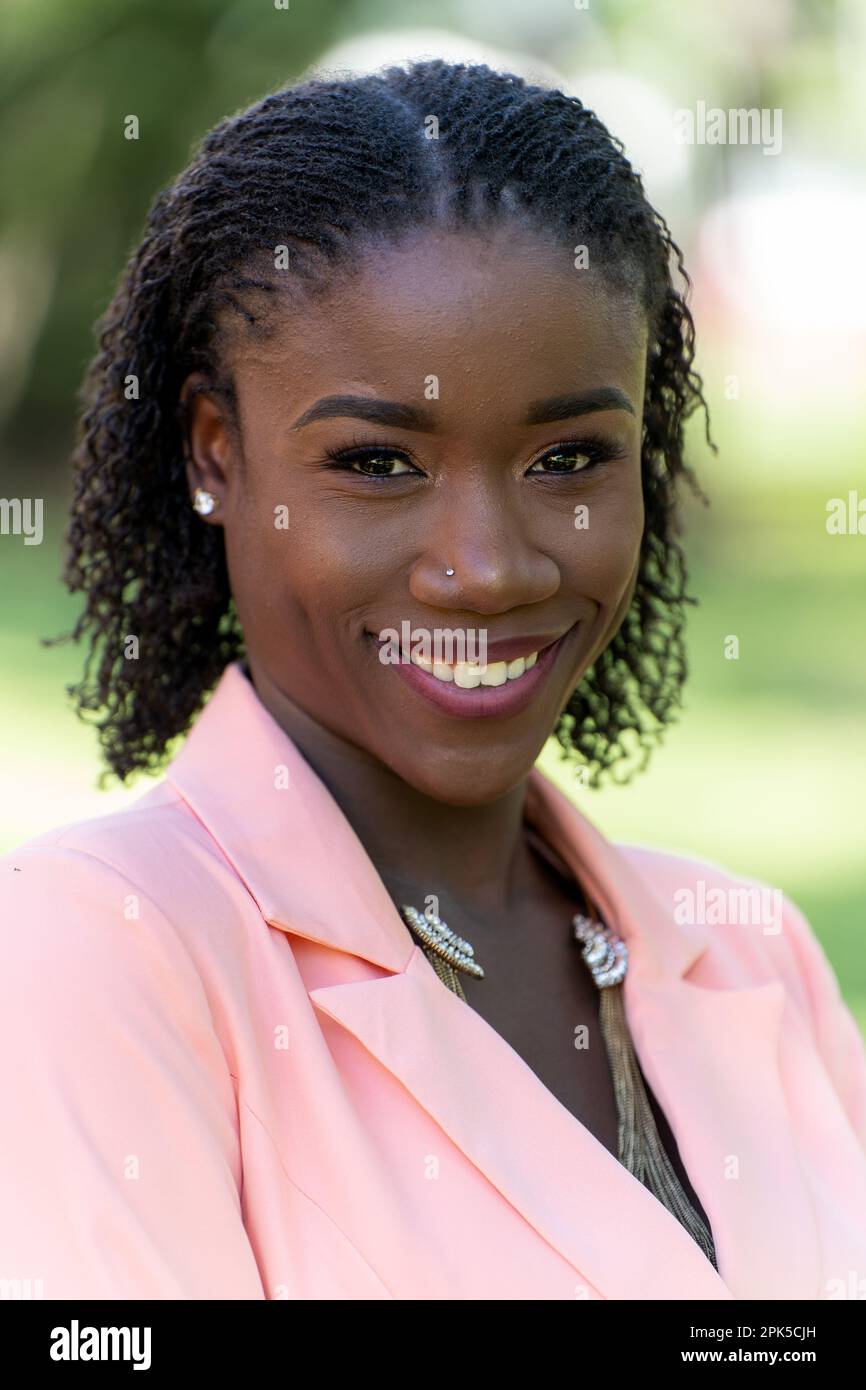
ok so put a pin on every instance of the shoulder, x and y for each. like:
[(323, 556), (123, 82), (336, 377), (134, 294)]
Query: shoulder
[(106, 934), (109, 1043), (126, 838), (135, 914), (660, 866), (670, 869), (86, 919), (754, 927), (151, 861), (758, 935), (694, 889)]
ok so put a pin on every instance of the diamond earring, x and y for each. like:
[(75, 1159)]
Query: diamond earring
[(449, 571), (204, 501)]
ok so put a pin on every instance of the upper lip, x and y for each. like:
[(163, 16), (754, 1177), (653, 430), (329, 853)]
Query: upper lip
[(510, 648)]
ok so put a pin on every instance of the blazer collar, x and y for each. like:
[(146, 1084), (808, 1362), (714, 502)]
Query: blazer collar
[(249, 784), (713, 1056)]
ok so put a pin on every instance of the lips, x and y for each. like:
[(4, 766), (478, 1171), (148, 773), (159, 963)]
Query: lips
[(507, 648), (488, 701)]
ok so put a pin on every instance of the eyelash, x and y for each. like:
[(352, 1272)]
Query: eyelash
[(598, 448)]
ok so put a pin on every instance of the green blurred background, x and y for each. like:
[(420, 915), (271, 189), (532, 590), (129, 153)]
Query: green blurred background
[(766, 769)]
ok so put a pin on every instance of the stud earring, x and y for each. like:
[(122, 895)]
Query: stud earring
[(449, 571), (204, 501)]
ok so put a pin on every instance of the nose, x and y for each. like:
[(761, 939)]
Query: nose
[(498, 565)]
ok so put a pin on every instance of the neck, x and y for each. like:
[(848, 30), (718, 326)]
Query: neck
[(474, 857)]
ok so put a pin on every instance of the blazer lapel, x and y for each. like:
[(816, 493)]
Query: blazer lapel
[(535, 1153), (712, 1058), (709, 1055)]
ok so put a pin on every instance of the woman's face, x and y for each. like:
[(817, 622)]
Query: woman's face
[(506, 373)]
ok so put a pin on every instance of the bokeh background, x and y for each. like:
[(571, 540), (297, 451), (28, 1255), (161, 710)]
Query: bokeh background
[(765, 772)]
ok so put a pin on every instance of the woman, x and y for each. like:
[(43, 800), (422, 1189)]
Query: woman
[(399, 364)]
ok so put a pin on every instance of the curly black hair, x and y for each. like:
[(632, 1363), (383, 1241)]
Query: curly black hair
[(319, 166)]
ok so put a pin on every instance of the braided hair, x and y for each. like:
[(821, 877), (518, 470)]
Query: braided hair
[(320, 166)]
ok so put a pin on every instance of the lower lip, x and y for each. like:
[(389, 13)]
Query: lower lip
[(485, 700)]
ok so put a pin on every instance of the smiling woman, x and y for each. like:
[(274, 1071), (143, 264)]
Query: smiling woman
[(488, 493), (395, 384)]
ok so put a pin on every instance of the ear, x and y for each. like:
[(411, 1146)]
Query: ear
[(209, 441)]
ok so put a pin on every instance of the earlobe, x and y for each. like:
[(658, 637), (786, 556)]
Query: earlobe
[(204, 500), (207, 444)]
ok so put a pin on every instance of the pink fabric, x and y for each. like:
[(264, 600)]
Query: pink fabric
[(227, 1071)]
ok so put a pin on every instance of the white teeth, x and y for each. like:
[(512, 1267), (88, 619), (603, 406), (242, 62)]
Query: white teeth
[(494, 674), (469, 674)]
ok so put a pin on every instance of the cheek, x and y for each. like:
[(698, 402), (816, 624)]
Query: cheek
[(606, 540), (293, 561), (314, 555)]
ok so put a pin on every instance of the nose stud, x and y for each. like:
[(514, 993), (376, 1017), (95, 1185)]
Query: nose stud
[(449, 571)]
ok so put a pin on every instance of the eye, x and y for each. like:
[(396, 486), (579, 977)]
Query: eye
[(371, 461), (577, 456)]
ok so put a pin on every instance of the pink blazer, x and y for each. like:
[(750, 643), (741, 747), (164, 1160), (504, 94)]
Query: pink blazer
[(228, 1072)]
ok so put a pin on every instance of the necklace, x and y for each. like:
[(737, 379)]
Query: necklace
[(605, 954)]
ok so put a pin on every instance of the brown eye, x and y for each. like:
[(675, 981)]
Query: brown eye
[(378, 465), (378, 461), (565, 461), (577, 456)]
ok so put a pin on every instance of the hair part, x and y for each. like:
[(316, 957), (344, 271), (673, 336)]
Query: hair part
[(323, 167)]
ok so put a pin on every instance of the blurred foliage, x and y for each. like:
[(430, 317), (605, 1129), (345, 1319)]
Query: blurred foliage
[(73, 190)]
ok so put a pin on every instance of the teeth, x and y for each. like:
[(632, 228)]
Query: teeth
[(469, 674), (494, 674)]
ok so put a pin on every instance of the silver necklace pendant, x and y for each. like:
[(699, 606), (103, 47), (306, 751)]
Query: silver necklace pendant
[(605, 953), (438, 936)]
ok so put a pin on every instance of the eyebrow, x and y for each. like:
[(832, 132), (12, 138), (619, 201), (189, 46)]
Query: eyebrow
[(410, 417)]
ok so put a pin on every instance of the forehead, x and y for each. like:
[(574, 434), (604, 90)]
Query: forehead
[(488, 315)]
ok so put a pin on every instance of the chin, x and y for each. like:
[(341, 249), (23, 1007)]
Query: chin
[(463, 778)]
